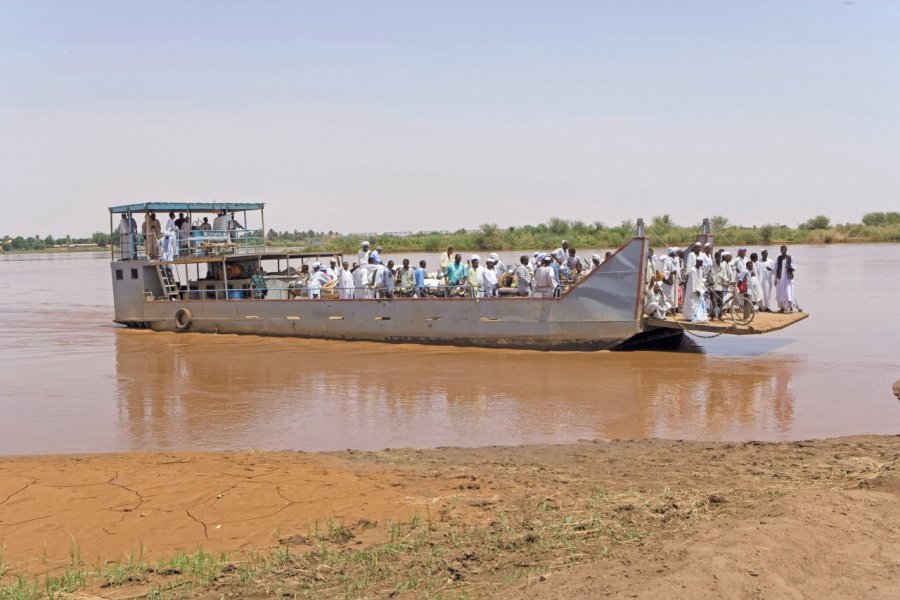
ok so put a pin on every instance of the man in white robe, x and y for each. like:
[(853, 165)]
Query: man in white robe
[(126, 236), (694, 290), (670, 280), (545, 281), (784, 281), (708, 260), (655, 303), (362, 257), (766, 273), (220, 224), (359, 281), (489, 279), (345, 282)]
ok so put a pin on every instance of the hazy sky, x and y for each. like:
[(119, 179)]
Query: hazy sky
[(389, 116)]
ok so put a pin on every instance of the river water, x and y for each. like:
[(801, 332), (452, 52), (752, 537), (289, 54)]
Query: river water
[(72, 381)]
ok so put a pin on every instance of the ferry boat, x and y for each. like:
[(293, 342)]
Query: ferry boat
[(198, 279)]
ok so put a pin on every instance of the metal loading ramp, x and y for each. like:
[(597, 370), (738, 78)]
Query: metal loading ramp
[(764, 322)]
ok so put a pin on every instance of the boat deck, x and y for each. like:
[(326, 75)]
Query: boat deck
[(764, 322)]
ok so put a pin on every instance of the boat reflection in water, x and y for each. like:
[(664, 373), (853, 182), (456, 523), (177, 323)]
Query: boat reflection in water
[(195, 391)]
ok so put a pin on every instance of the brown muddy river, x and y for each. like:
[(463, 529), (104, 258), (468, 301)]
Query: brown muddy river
[(72, 381)]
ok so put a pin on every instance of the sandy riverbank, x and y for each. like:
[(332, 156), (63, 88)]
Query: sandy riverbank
[(651, 518)]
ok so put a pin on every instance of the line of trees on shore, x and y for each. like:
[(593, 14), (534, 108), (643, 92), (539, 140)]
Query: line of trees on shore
[(874, 227)]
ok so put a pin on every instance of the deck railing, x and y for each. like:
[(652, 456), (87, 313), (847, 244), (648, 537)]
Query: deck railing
[(180, 244)]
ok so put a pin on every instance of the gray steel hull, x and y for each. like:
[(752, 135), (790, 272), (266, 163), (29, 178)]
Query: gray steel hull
[(602, 311)]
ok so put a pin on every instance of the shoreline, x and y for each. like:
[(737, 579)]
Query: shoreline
[(589, 507), (419, 249)]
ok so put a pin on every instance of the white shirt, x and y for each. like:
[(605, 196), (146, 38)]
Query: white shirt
[(488, 278), (544, 279)]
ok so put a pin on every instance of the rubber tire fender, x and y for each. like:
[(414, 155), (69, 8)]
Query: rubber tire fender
[(183, 319)]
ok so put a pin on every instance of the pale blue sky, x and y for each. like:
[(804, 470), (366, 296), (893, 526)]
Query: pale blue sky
[(375, 116)]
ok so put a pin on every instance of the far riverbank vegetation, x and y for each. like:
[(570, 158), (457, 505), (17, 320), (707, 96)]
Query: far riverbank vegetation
[(875, 227)]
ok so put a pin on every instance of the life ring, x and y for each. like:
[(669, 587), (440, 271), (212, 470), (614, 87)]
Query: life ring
[(183, 319)]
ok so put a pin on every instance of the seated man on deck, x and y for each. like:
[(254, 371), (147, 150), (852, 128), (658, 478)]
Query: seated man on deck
[(655, 304)]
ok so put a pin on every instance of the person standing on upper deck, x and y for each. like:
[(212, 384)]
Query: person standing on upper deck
[(766, 274), (545, 281), (784, 281), (220, 223), (126, 236), (205, 225), (233, 226), (184, 235), (151, 235)]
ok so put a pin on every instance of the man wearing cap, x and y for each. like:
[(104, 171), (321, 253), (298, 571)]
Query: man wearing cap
[(317, 280), (498, 264), (489, 278), (375, 276), (363, 254), (739, 261), (331, 269), (596, 261), (545, 281)]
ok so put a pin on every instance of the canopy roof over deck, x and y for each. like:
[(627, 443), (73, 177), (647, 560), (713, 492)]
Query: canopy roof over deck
[(194, 207)]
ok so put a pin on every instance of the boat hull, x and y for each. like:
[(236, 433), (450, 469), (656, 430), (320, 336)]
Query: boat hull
[(601, 312)]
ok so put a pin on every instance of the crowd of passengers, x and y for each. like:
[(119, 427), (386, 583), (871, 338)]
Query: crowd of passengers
[(543, 274), (700, 283)]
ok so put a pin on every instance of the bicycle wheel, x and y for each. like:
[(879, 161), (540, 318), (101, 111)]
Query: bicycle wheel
[(741, 310)]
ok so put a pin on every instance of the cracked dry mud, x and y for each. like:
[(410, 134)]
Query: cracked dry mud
[(741, 520)]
